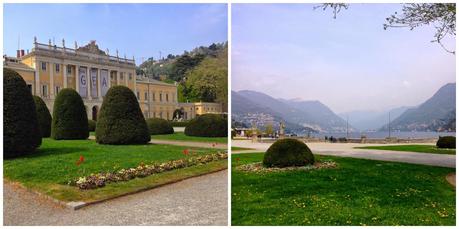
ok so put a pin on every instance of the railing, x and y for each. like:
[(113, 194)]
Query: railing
[(54, 48)]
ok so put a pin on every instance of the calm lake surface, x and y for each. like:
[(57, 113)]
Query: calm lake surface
[(382, 135)]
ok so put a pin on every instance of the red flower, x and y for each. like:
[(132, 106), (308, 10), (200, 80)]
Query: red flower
[(186, 152), (213, 144), (237, 159), (81, 160)]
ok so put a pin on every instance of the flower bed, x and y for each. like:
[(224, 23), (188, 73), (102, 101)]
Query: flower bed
[(101, 179), (259, 168)]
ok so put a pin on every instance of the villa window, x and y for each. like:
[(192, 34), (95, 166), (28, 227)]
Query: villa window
[(130, 76), (43, 66), (69, 69), (153, 93), (146, 96), (58, 67), (138, 95), (167, 97), (44, 90), (57, 89), (160, 97), (30, 87)]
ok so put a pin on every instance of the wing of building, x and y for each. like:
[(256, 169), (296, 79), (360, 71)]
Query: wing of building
[(91, 72)]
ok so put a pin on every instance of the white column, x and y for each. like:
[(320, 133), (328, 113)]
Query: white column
[(64, 74), (37, 77), (77, 80), (117, 77), (51, 80), (99, 94), (109, 78), (88, 82), (126, 77)]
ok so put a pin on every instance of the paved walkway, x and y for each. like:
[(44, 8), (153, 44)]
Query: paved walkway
[(191, 144), (196, 201), (185, 143), (347, 150)]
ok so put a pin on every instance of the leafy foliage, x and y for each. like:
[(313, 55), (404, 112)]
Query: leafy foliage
[(121, 121), (159, 126), (288, 152), (208, 82), (21, 131), (448, 142), (91, 125), (44, 117), (207, 125), (69, 116)]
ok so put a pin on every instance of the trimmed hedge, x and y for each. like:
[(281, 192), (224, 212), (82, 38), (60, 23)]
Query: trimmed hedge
[(69, 116), (44, 117), (120, 120), (207, 125), (91, 125), (21, 131), (288, 152), (159, 126), (448, 142), (179, 124)]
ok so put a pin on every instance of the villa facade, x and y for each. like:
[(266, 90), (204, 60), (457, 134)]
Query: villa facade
[(90, 71)]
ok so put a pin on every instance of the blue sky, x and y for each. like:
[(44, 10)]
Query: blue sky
[(140, 30), (348, 63)]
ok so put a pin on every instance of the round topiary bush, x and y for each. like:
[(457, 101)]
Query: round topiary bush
[(69, 116), (120, 120), (44, 117), (288, 152), (159, 126), (91, 125), (448, 142), (21, 131), (207, 125)]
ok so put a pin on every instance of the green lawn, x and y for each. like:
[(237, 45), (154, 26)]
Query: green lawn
[(358, 192), (54, 165), (412, 148), (180, 136)]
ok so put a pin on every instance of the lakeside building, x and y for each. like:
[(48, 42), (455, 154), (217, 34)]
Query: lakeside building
[(90, 71)]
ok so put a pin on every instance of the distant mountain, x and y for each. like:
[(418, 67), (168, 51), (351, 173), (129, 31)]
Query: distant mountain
[(436, 114), (372, 120), (318, 115), (307, 114)]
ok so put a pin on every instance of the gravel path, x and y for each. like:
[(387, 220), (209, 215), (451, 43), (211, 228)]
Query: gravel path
[(185, 143), (195, 201), (191, 144), (347, 150)]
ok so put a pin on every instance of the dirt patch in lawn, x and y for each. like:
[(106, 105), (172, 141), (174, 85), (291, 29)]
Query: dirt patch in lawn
[(451, 178)]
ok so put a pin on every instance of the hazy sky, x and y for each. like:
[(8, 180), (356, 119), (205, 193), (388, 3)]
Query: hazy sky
[(141, 30), (348, 63)]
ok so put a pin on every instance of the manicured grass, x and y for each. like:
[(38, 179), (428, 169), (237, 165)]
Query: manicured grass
[(180, 136), (412, 148), (54, 165), (235, 148), (357, 192)]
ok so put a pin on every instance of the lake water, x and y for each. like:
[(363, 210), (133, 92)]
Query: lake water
[(382, 135)]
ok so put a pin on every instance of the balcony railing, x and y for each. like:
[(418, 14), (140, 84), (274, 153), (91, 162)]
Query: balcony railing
[(73, 52)]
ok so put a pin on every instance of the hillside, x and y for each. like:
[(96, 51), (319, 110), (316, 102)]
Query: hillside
[(307, 114), (435, 114)]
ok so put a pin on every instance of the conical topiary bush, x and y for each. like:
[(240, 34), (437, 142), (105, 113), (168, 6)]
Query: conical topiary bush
[(69, 116), (44, 117), (120, 120), (21, 133)]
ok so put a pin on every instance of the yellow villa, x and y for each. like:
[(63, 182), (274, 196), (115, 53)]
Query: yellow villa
[(48, 68)]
